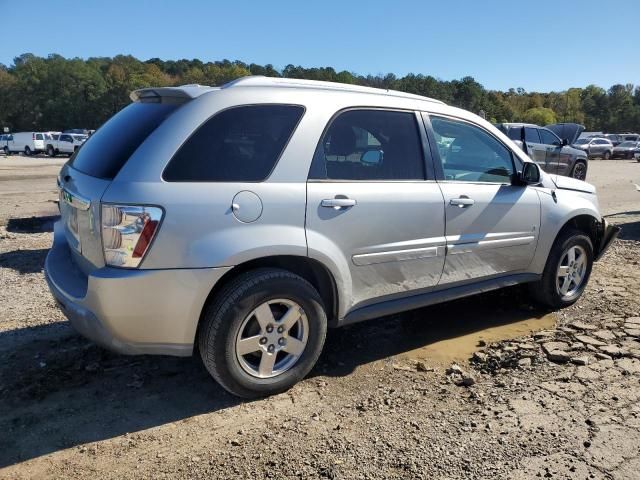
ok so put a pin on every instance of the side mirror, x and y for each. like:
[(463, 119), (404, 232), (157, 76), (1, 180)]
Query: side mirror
[(372, 157), (565, 142), (530, 174)]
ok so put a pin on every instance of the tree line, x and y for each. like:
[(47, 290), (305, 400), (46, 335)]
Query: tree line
[(55, 93)]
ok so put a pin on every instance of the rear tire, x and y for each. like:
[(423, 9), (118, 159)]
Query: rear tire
[(7, 152), (579, 170), (251, 308), (561, 268)]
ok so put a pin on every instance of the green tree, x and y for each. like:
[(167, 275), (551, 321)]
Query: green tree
[(540, 116)]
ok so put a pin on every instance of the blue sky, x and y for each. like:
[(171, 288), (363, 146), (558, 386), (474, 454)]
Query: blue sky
[(538, 45)]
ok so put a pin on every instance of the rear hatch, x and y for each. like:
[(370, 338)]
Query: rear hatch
[(567, 131), (89, 172)]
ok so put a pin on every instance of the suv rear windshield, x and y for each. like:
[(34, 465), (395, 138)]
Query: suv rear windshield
[(107, 150)]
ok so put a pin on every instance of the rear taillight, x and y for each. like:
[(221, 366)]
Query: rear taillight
[(127, 232)]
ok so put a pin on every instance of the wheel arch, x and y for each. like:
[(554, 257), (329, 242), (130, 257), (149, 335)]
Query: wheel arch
[(314, 271), (584, 222)]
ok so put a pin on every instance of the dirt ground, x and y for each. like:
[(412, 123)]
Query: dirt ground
[(484, 387)]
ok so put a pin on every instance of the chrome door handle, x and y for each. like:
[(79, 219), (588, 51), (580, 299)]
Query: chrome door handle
[(338, 203), (462, 202)]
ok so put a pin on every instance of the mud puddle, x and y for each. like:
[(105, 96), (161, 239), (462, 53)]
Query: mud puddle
[(438, 335), (460, 348)]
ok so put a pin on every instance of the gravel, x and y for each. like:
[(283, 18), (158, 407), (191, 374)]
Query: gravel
[(370, 409)]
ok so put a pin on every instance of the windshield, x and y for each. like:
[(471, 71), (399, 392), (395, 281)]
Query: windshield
[(582, 141)]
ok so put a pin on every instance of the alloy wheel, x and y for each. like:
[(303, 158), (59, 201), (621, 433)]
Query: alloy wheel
[(272, 338), (571, 271), (580, 171)]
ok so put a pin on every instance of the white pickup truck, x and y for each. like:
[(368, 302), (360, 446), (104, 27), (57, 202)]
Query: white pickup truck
[(65, 143)]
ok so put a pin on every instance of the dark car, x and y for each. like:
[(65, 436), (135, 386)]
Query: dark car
[(550, 147), (626, 149)]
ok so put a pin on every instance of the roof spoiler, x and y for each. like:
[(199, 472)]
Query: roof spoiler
[(182, 93)]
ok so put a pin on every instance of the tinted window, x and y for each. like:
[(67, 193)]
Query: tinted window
[(66, 138), (241, 144), (470, 154), (548, 138), (531, 135), (104, 154), (370, 145), (515, 133)]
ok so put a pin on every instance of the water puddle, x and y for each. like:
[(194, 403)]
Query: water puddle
[(438, 335), (492, 327)]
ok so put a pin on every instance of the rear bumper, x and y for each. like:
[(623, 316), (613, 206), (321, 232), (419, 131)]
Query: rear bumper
[(130, 311), (608, 234)]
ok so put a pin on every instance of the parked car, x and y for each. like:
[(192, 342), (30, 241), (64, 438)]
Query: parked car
[(595, 147), (78, 131), (548, 150), (614, 138), (63, 143), (630, 137), (626, 149), (29, 143), (3, 141), (251, 217)]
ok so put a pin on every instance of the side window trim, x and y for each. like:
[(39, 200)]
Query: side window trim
[(515, 161), (314, 167)]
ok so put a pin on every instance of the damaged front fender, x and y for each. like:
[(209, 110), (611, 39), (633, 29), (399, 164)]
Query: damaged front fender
[(606, 234)]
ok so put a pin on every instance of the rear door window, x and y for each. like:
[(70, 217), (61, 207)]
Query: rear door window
[(241, 144), (39, 136), (104, 154)]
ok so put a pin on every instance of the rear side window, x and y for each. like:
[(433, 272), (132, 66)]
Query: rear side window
[(370, 145), (515, 133), (241, 144), (107, 150)]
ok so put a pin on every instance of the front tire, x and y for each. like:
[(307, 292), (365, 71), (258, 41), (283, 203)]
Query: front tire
[(567, 271), (50, 151), (606, 155), (262, 333), (27, 151)]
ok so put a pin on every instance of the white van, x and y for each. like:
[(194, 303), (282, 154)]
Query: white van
[(28, 143)]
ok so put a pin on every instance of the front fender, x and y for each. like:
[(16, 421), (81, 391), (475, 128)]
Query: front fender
[(559, 207)]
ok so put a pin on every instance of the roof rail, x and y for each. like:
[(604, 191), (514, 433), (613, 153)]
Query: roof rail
[(262, 81)]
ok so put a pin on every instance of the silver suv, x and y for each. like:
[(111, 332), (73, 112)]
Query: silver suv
[(247, 219)]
